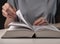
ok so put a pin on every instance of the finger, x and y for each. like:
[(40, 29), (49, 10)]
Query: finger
[(4, 13), (11, 14), (41, 22), (5, 6), (10, 10), (37, 21), (44, 21)]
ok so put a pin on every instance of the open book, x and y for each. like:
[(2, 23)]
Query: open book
[(25, 29)]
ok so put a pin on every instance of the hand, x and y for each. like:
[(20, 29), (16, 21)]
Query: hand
[(40, 21), (8, 11)]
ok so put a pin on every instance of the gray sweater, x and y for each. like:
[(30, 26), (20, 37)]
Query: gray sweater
[(33, 9)]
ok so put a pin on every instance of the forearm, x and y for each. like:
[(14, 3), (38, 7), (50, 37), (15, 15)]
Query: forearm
[(7, 21)]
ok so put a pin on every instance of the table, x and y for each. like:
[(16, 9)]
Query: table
[(27, 41)]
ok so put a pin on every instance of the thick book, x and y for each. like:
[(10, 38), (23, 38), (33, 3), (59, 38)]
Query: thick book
[(26, 30)]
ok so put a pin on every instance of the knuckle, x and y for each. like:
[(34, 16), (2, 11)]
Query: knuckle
[(3, 5), (7, 4)]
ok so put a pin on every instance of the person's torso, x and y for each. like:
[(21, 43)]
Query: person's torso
[(33, 9)]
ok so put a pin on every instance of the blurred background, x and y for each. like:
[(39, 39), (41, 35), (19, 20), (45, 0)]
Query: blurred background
[(2, 19)]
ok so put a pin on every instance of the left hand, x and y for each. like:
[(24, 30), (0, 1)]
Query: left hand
[(40, 21)]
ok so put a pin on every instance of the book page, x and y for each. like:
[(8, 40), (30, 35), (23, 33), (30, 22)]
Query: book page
[(20, 16), (15, 25), (48, 27)]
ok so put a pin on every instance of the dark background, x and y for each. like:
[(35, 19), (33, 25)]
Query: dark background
[(58, 12), (2, 19)]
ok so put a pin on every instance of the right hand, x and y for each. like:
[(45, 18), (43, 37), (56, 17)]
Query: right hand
[(8, 11)]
